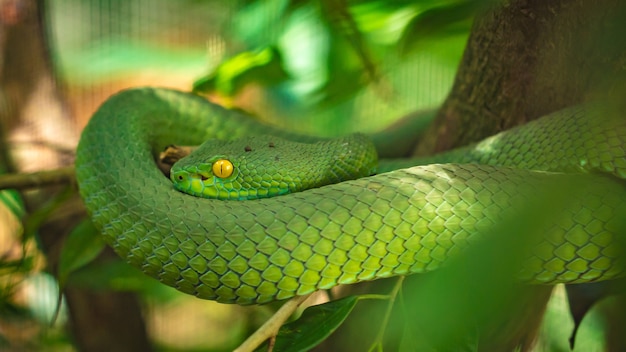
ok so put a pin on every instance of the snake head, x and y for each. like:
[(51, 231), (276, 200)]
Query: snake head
[(266, 166), (207, 178)]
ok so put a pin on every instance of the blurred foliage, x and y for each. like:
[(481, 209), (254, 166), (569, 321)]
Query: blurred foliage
[(440, 21), (335, 66), (82, 246), (12, 200), (264, 67), (344, 58)]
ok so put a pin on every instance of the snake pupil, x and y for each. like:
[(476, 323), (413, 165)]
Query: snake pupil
[(222, 168)]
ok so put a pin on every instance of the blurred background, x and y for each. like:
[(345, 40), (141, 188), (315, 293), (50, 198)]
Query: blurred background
[(298, 63), (320, 67)]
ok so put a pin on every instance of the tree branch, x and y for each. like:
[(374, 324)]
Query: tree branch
[(270, 328), (64, 175)]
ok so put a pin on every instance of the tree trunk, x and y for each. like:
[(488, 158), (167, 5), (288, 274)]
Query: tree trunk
[(528, 58)]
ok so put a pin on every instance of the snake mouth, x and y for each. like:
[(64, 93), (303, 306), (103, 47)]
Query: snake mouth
[(185, 177), (202, 176)]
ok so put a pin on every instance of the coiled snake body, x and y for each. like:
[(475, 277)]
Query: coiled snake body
[(400, 222)]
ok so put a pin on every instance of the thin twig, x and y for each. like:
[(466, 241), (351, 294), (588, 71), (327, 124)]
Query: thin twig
[(270, 328), (64, 176), (378, 342), (54, 147)]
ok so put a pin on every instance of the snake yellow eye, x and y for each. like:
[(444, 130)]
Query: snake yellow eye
[(222, 168)]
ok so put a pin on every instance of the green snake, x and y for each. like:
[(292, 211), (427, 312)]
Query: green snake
[(397, 222)]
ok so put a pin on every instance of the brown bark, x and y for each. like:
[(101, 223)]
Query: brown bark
[(103, 321), (527, 58)]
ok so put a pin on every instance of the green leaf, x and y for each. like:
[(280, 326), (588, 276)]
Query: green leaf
[(436, 22), (35, 219), (296, 4), (315, 325), (264, 66), (82, 246), (13, 202)]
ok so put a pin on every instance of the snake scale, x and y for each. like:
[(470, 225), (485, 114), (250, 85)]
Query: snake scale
[(404, 221)]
